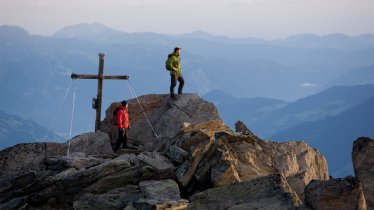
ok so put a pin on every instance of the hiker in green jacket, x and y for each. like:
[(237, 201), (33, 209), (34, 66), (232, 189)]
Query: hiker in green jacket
[(174, 66)]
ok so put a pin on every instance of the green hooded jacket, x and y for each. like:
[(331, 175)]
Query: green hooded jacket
[(175, 64)]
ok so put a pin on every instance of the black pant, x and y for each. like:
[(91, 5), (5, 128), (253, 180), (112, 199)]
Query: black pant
[(122, 138), (173, 83)]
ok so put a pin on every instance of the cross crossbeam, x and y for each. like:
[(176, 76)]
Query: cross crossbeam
[(100, 77)]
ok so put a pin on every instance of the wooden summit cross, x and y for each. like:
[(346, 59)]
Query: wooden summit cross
[(96, 103)]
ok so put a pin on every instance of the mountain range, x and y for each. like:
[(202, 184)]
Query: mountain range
[(15, 130), (334, 136)]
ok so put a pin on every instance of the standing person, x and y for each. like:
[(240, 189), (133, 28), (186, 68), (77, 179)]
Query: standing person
[(123, 123), (174, 66)]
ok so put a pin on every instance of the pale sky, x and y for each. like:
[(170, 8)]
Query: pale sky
[(267, 19)]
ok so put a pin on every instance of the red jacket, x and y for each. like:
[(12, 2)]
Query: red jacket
[(123, 118)]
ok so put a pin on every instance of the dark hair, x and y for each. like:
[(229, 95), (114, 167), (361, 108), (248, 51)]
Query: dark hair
[(176, 48), (123, 103)]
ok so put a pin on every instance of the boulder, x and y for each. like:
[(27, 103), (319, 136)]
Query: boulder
[(238, 158), (15, 204), (118, 199), (298, 162), (77, 160), (25, 158), (200, 148), (162, 194), (335, 194), (268, 192), (90, 144), (166, 116), (363, 164), (242, 128)]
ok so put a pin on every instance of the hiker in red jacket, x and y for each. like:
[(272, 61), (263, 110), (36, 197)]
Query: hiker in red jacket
[(123, 124)]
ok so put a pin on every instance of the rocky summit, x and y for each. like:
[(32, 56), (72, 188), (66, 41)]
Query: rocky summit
[(181, 156)]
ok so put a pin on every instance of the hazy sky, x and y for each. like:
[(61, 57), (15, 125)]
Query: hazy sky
[(267, 19)]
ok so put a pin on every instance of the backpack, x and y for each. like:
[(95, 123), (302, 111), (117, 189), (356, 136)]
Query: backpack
[(115, 115), (168, 63)]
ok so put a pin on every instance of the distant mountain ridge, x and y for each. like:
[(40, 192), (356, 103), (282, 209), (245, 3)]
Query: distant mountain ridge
[(335, 41), (333, 136), (280, 115), (15, 130), (103, 34), (361, 76)]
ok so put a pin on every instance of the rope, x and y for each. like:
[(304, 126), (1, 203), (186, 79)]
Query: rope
[(72, 116), (132, 91), (58, 111)]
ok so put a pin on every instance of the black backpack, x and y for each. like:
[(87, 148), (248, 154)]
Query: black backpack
[(115, 115), (168, 63)]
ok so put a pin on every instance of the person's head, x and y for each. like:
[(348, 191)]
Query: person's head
[(177, 50), (124, 103)]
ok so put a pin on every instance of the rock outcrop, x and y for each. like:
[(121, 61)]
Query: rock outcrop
[(24, 158), (163, 194), (196, 159), (166, 116), (269, 192), (65, 188), (228, 157), (335, 194), (363, 164), (298, 162)]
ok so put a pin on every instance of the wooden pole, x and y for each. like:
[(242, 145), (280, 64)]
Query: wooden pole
[(99, 91)]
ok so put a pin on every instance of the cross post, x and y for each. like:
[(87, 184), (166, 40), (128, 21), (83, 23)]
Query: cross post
[(96, 103)]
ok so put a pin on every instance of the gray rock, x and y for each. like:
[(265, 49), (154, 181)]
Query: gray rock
[(156, 205), (119, 172), (24, 180), (186, 171), (230, 157), (239, 158), (335, 194), (15, 204), (270, 192), (118, 198), (241, 127), (25, 158), (363, 164), (160, 190), (175, 153), (162, 194), (75, 160), (90, 144), (298, 162), (156, 160), (167, 117)]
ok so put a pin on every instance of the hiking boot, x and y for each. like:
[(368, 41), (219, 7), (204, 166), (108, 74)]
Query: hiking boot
[(180, 92), (172, 96)]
